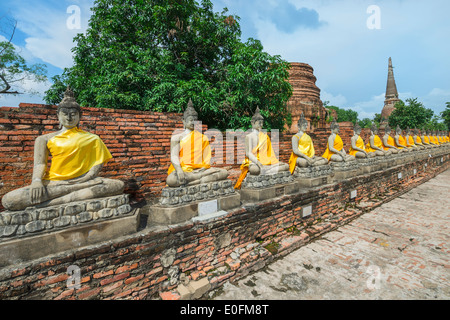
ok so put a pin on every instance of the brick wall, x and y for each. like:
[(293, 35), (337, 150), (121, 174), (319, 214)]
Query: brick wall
[(247, 239)]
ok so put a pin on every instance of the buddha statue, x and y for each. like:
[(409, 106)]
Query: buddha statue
[(435, 138), (425, 139), (358, 148), (400, 141), (418, 140), (375, 144), (335, 151), (77, 157), (388, 141), (190, 155), (410, 140), (303, 153), (260, 158)]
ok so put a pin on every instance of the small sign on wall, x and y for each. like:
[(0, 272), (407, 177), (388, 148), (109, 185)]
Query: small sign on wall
[(306, 211), (400, 175), (415, 171), (207, 207), (353, 194)]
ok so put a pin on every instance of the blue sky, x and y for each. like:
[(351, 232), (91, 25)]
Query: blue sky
[(338, 38)]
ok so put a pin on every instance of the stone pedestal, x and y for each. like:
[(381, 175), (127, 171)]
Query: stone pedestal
[(180, 204), (310, 177), (344, 170), (263, 187), (37, 232)]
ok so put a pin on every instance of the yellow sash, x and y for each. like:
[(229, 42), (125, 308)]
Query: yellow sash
[(410, 142), (426, 139), (419, 140), (195, 152), (359, 144), (377, 142), (338, 145), (305, 146), (264, 153), (74, 152), (436, 141)]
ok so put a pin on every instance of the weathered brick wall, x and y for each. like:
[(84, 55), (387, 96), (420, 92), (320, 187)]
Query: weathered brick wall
[(142, 265)]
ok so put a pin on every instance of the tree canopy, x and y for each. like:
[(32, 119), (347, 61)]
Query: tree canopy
[(446, 115), (412, 114), (157, 54)]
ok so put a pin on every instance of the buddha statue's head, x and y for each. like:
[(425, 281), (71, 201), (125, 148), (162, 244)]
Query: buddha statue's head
[(398, 130), (387, 130), (190, 116), (416, 131), (257, 120), (357, 129), (334, 127), (302, 123), (374, 129), (68, 111)]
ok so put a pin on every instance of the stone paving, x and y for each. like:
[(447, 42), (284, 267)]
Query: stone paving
[(400, 250)]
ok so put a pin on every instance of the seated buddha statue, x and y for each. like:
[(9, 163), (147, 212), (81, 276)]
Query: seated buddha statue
[(435, 139), (335, 151), (418, 140), (190, 155), (410, 140), (388, 141), (400, 141), (303, 153), (375, 144), (260, 158), (425, 139), (77, 157), (358, 148)]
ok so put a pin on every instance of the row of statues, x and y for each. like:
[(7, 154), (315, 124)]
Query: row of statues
[(78, 157)]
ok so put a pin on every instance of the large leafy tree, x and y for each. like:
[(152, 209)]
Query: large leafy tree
[(412, 114), (158, 54), (343, 114)]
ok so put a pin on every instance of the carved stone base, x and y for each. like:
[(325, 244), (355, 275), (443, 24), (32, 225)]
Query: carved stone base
[(180, 204), (263, 187), (373, 164), (344, 170), (34, 233), (313, 176), (165, 215)]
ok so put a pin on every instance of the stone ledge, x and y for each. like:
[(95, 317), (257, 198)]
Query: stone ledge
[(35, 220), (14, 251), (260, 194)]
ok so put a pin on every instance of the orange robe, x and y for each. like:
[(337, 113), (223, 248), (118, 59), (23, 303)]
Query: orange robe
[(195, 153), (377, 142), (338, 145), (402, 141), (263, 152), (410, 142), (305, 146), (390, 142), (359, 144)]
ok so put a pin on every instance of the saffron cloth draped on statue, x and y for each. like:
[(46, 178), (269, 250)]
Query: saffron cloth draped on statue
[(74, 152), (377, 142), (195, 153), (359, 144), (338, 145), (305, 146), (263, 152)]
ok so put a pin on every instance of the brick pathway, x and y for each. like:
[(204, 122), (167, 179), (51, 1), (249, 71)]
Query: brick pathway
[(401, 250)]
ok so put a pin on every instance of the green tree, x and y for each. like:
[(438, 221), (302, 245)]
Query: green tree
[(14, 69), (344, 114), (412, 114), (158, 54), (446, 115), (365, 123)]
